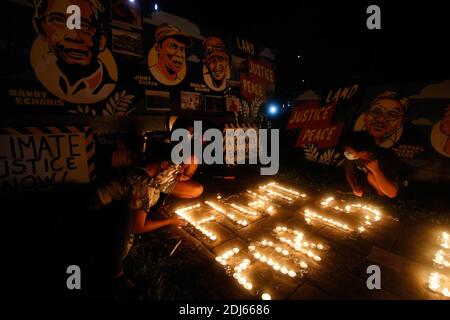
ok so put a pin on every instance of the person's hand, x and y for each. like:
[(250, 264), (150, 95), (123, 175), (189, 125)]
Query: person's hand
[(177, 222), (357, 191), (372, 165)]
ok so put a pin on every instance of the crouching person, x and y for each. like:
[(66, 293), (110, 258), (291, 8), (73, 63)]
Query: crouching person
[(123, 202), (379, 166)]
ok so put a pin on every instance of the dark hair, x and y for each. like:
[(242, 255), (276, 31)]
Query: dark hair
[(360, 141), (156, 152), (182, 123)]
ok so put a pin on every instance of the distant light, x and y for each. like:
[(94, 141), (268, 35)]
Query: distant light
[(156, 7), (273, 109), (299, 56), (131, 0)]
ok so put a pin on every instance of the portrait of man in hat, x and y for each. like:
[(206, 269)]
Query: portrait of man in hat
[(167, 58), (74, 65), (215, 63)]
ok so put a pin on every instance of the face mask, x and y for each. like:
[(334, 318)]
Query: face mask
[(350, 156)]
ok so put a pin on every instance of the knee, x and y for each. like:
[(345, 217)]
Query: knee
[(197, 190)]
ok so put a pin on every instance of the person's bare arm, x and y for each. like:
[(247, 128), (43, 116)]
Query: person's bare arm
[(142, 225), (386, 186), (353, 182)]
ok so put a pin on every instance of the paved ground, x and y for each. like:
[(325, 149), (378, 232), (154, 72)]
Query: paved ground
[(403, 251)]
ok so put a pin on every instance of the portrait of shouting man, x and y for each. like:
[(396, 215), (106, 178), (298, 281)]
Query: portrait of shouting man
[(167, 58), (74, 65)]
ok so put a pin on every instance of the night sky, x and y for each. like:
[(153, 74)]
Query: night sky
[(332, 39)]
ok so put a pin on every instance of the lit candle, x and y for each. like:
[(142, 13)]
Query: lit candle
[(287, 190), (273, 193), (439, 259), (445, 240), (266, 296), (231, 216), (303, 265), (434, 284), (244, 210), (309, 215)]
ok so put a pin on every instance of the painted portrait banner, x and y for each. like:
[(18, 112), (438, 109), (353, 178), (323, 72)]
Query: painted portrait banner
[(182, 58), (74, 66), (216, 68), (320, 119), (124, 51), (440, 134), (411, 119), (66, 71), (39, 158)]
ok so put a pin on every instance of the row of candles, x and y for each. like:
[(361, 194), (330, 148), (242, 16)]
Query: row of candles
[(241, 221), (239, 268), (198, 225), (311, 215), (271, 261), (297, 243), (376, 214), (436, 280), (262, 202), (274, 190)]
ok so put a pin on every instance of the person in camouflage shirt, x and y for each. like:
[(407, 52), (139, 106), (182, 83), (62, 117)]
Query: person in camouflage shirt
[(137, 189)]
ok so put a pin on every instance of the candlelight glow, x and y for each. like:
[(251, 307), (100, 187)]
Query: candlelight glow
[(182, 213), (273, 193), (438, 282), (439, 259), (244, 210), (297, 244), (231, 216), (238, 269), (376, 215), (434, 283), (259, 196), (287, 190), (271, 261), (309, 215), (266, 296), (445, 240)]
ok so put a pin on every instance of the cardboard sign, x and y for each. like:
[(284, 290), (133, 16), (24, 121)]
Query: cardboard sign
[(38, 158)]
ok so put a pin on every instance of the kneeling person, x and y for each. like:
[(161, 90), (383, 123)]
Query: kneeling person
[(380, 166)]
